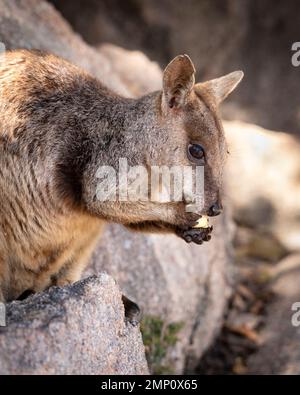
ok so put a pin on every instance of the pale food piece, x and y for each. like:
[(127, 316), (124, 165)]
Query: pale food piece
[(202, 222)]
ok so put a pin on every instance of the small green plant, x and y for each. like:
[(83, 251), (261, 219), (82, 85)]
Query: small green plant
[(158, 337)]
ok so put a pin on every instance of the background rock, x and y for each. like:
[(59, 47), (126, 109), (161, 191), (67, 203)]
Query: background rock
[(35, 24), (262, 182), (169, 279), (134, 69), (78, 329), (280, 353), (220, 36), (262, 245)]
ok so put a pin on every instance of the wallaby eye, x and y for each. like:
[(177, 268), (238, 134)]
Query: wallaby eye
[(196, 151)]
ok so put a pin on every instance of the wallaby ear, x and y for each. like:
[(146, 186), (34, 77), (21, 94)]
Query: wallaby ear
[(178, 80), (221, 87)]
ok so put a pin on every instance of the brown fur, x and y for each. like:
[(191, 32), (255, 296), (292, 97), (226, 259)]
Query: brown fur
[(57, 125)]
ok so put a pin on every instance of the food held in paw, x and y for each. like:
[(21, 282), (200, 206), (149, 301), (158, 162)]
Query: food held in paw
[(202, 222)]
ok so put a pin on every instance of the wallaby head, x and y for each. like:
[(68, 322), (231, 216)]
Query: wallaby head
[(191, 115), (179, 126)]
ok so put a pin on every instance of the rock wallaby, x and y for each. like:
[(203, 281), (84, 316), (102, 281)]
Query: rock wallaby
[(58, 124)]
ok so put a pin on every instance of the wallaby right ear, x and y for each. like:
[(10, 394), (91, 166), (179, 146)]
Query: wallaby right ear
[(178, 80), (220, 88)]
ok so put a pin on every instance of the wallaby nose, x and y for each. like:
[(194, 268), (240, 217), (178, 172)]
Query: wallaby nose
[(215, 209)]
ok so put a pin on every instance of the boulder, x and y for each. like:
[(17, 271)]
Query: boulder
[(79, 329), (134, 69), (262, 184), (175, 284), (121, 70)]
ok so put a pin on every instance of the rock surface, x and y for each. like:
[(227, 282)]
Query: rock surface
[(280, 352), (173, 281), (169, 279), (134, 69), (78, 329), (263, 182), (127, 72)]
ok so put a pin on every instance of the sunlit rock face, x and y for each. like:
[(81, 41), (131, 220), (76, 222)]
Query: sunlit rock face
[(263, 181)]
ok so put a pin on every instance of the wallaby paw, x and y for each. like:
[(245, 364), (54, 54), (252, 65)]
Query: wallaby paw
[(133, 313), (195, 235)]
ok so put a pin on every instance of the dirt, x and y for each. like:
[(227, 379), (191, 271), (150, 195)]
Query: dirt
[(245, 319)]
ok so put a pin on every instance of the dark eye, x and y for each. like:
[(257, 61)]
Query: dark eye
[(196, 151)]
